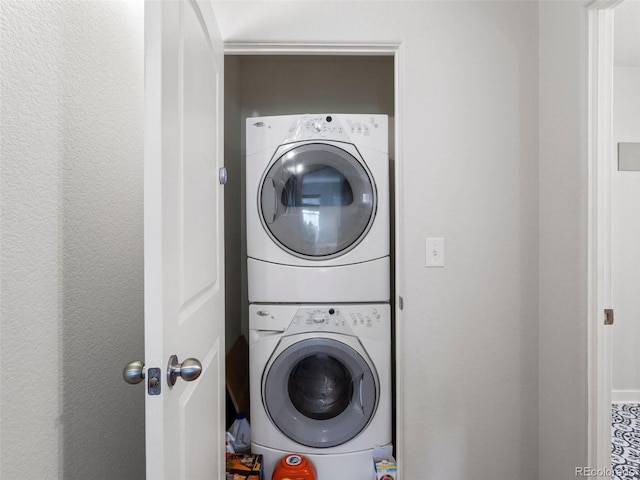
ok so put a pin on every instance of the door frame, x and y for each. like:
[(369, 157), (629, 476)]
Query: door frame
[(600, 156), (382, 49)]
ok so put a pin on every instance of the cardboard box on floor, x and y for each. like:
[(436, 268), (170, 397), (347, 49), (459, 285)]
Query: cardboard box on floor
[(244, 466), (237, 376), (384, 465)]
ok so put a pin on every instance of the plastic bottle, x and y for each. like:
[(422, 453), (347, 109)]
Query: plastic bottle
[(228, 442), (241, 432)]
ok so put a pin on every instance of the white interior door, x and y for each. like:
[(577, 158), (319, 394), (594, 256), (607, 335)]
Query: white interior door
[(184, 250)]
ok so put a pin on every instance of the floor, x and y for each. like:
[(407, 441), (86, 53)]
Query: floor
[(625, 448)]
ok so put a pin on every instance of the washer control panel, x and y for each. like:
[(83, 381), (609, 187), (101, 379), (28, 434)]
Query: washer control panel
[(320, 317), (361, 320)]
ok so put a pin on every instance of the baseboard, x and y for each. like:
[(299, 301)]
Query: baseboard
[(625, 396)]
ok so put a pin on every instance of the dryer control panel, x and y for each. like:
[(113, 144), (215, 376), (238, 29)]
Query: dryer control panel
[(348, 128), (360, 129)]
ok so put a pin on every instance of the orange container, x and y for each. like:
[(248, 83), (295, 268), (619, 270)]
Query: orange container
[(294, 467)]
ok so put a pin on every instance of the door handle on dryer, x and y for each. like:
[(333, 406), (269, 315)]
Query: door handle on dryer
[(360, 399), (270, 199), (276, 198)]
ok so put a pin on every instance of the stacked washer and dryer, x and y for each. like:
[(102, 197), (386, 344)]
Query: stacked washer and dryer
[(318, 245)]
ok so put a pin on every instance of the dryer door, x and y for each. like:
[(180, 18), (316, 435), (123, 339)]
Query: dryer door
[(318, 200), (320, 392)]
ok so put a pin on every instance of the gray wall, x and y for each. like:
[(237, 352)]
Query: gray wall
[(625, 219), (71, 278), (235, 246), (625, 232), (562, 389)]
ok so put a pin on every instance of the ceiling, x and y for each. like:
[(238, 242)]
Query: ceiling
[(627, 34)]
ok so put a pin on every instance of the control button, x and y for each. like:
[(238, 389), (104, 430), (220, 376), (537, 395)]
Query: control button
[(331, 311)]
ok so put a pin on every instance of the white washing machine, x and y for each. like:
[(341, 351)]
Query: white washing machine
[(317, 208), (320, 384)]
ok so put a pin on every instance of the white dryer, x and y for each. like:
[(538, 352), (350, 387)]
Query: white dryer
[(317, 208), (320, 385)]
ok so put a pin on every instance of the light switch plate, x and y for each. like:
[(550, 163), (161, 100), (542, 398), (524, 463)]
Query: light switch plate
[(435, 252), (629, 156)]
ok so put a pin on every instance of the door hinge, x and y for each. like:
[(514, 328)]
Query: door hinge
[(223, 176), (608, 316)]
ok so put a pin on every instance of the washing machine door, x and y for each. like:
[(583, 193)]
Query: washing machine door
[(320, 392), (317, 200)]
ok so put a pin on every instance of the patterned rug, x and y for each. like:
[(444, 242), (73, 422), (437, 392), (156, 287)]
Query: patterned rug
[(625, 441)]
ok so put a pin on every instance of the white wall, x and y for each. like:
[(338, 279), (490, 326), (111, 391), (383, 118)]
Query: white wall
[(563, 171), (470, 174), (30, 275), (625, 225), (71, 278)]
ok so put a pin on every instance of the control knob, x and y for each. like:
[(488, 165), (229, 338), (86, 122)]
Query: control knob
[(318, 319)]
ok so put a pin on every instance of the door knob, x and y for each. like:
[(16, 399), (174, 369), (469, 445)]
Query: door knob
[(134, 372), (189, 370)]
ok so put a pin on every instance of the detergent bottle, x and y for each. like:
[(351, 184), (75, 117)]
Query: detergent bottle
[(241, 432), (294, 467)]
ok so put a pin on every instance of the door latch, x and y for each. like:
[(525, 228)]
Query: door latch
[(154, 384)]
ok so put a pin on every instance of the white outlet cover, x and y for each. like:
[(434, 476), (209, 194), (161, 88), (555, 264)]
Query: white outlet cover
[(435, 252)]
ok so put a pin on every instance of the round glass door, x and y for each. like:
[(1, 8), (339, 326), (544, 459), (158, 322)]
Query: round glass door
[(320, 392), (317, 201)]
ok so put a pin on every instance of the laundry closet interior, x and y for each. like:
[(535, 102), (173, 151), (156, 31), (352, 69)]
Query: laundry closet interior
[(292, 84)]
